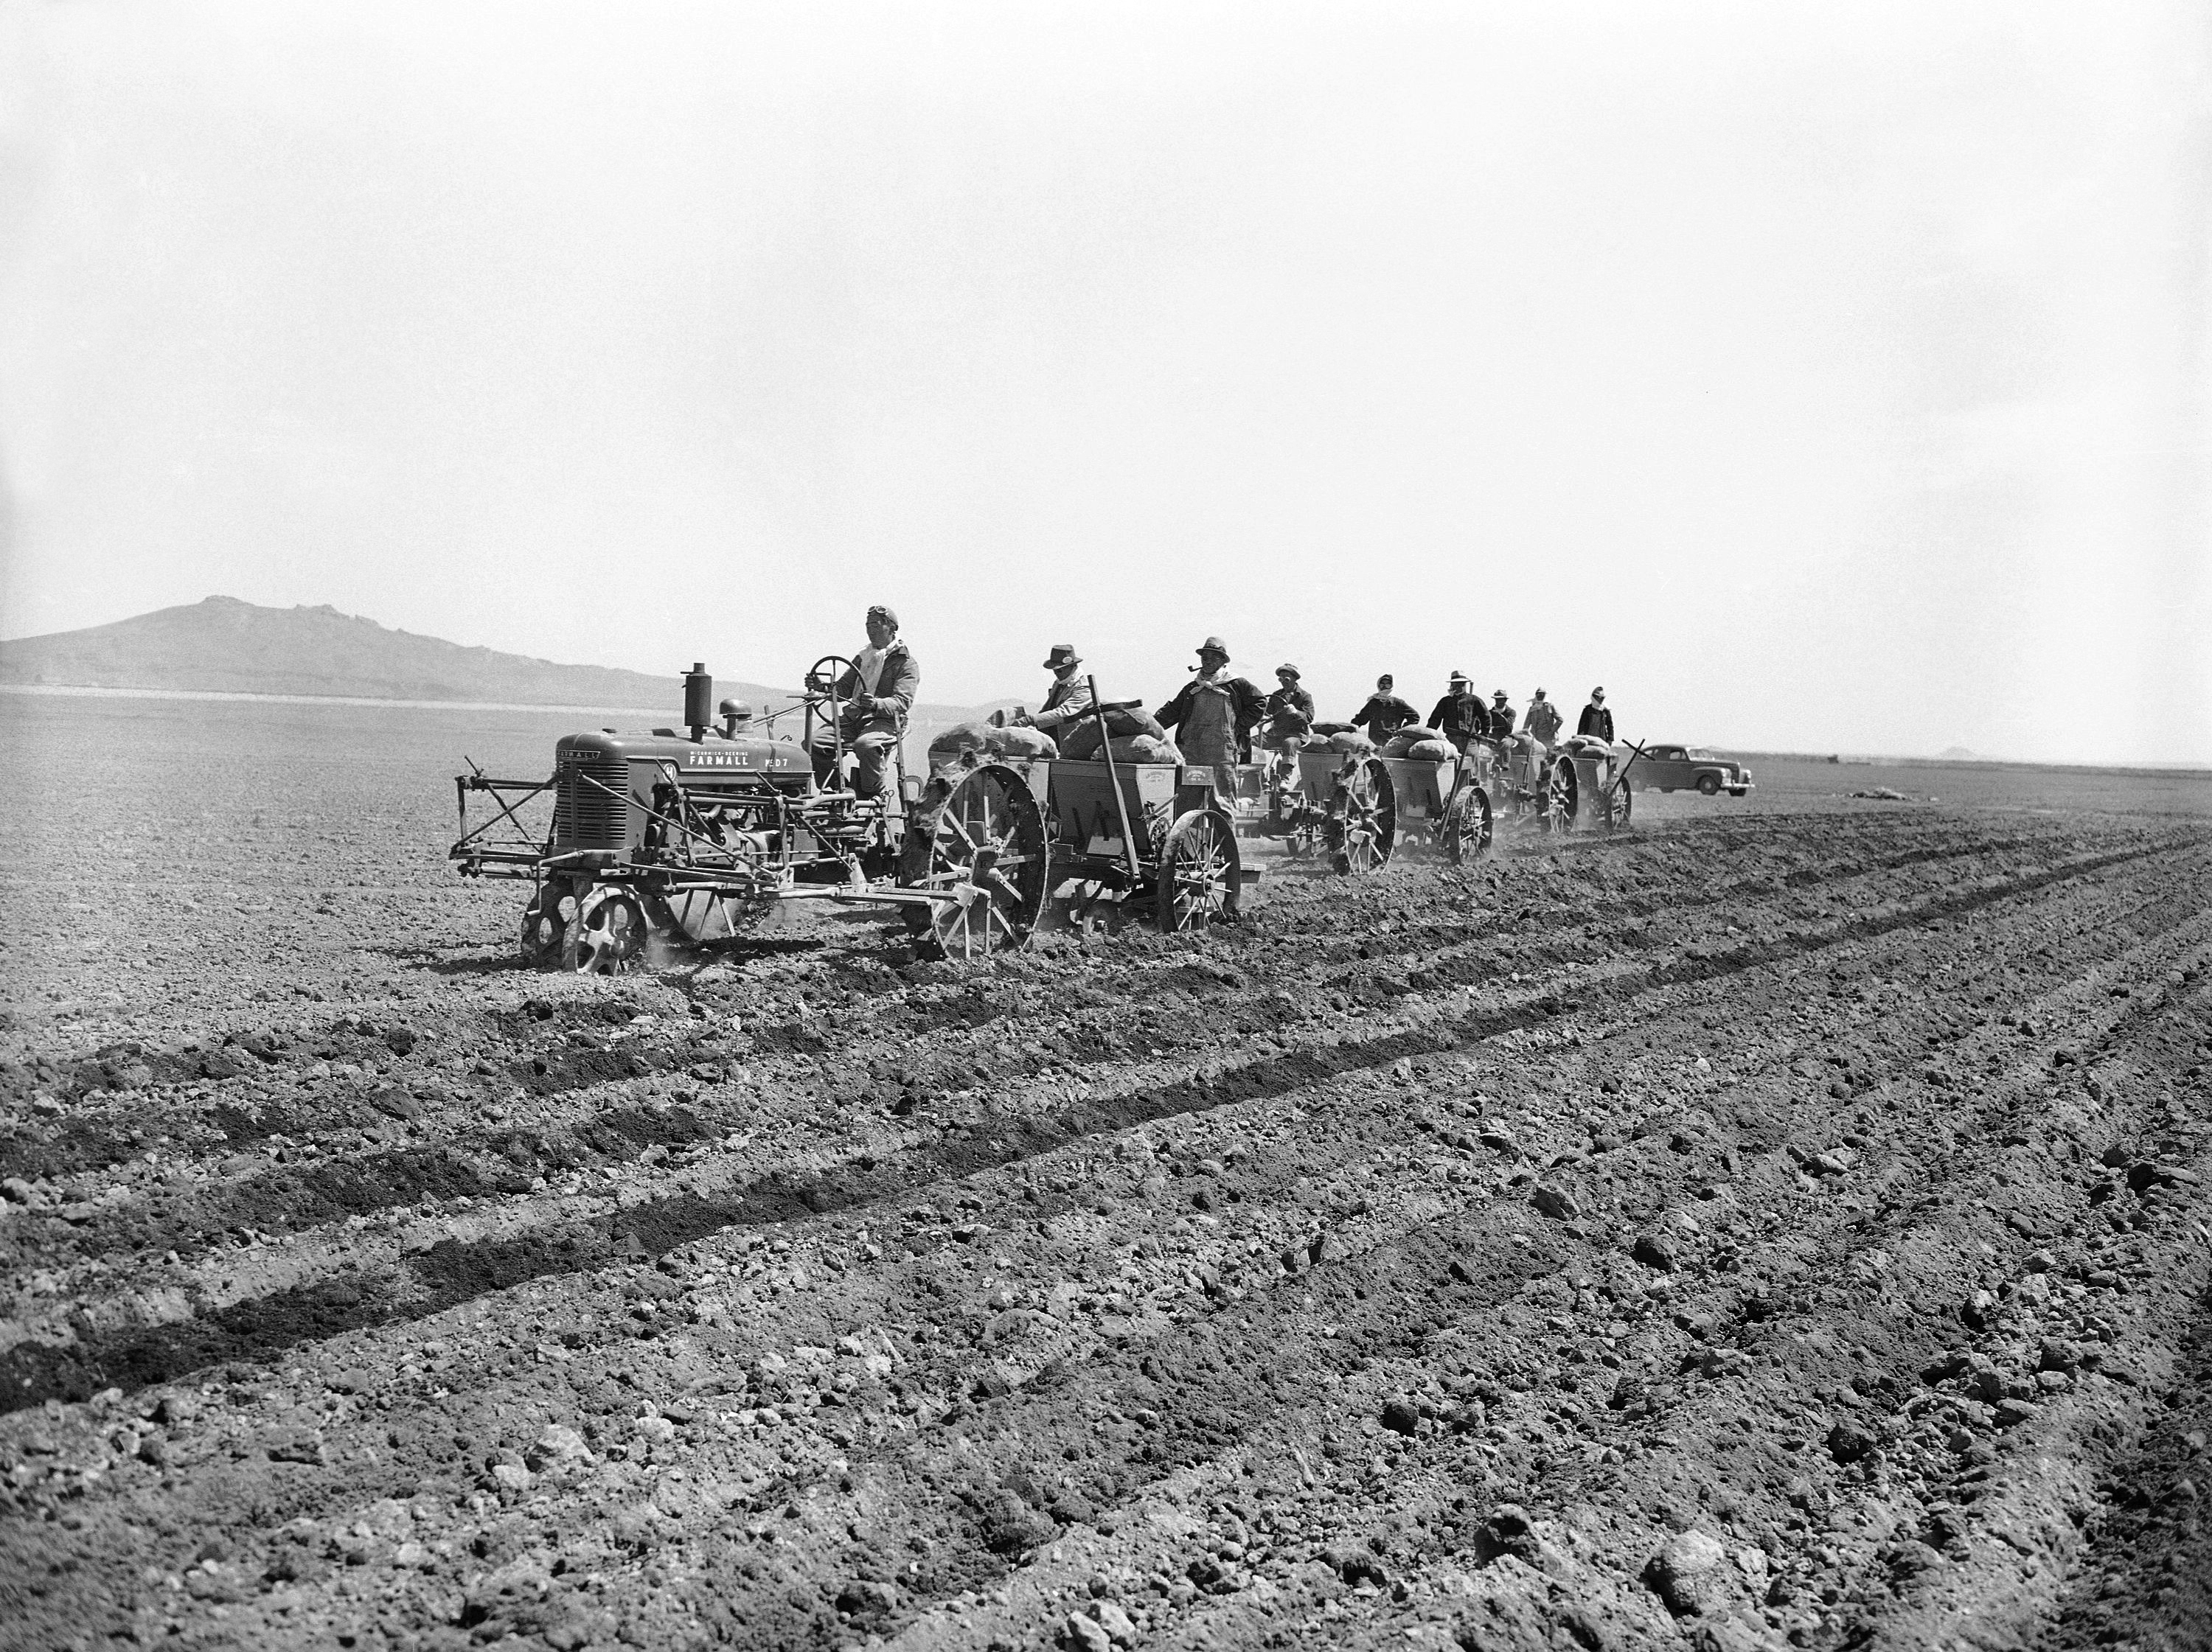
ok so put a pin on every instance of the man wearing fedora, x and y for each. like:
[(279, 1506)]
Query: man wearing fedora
[(1501, 716), (1214, 714), (1067, 698), (1459, 716)]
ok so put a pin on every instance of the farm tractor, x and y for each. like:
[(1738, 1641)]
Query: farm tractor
[(697, 834)]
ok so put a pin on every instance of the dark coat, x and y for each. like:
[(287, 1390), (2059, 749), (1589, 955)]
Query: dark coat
[(1384, 714), (1501, 721), (1460, 717), (1289, 711), (1596, 720)]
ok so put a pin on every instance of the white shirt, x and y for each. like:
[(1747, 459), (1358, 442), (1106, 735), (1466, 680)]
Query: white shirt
[(868, 665)]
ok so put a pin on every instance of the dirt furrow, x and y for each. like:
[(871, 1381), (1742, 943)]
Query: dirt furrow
[(367, 1293)]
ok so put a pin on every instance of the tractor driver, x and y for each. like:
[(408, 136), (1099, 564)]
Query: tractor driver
[(875, 696)]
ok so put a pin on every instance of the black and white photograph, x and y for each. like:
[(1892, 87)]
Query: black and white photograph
[(951, 825)]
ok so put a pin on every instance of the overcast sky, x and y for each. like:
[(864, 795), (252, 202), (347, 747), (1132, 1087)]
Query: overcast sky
[(1816, 377)]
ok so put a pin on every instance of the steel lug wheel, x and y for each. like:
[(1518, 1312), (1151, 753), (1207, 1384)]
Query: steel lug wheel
[(979, 838), (607, 937)]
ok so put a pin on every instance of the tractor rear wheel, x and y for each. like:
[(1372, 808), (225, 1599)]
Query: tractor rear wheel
[(979, 840), (1197, 878)]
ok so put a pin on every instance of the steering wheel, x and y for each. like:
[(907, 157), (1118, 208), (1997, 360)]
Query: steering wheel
[(822, 686)]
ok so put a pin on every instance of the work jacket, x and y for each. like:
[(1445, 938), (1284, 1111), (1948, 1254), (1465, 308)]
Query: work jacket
[(896, 683), (1289, 711), (1543, 720), (1069, 699), (1384, 714), (1460, 717), (1596, 720), (1246, 706), (1501, 721)]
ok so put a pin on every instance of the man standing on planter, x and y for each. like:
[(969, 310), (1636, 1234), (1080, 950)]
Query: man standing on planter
[(1213, 716)]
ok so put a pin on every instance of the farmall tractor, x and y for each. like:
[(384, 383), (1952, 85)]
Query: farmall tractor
[(696, 835)]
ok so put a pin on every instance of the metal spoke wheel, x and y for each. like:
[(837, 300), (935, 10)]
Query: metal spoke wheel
[(980, 839), (1561, 797), (1467, 825), (1197, 872), (545, 923), (1363, 824), (607, 936), (1620, 803)]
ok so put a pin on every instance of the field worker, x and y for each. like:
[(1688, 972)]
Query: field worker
[(1595, 719), (876, 694), (1069, 696), (1543, 719), (1459, 716), (1289, 711), (1501, 717), (1214, 714), (1290, 714), (1384, 713)]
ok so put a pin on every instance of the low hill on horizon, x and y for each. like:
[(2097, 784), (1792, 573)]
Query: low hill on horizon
[(222, 645)]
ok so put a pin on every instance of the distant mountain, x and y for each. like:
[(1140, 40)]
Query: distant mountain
[(231, 647), (226, 645), (1958, 754)]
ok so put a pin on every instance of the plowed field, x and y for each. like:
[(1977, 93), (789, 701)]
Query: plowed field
[(1780, 1223)]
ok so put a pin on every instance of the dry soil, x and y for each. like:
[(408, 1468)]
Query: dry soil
[(1782, 1223)]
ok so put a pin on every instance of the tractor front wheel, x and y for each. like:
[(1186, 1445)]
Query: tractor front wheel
[(607, 936), (545, 923)]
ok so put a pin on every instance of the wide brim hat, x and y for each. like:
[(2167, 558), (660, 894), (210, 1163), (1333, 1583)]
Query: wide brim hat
[(1063, 654), (1213, 645)]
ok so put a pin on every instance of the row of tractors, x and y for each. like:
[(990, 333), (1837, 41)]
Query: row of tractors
[(695, 834)]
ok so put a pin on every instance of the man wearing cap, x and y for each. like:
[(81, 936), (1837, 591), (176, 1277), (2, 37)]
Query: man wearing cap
[(1213, 715), (1596, 720), (1384, 713), (1543, 719), (1289, 711), (1067, 698), (1459, 716), (874, 698)]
